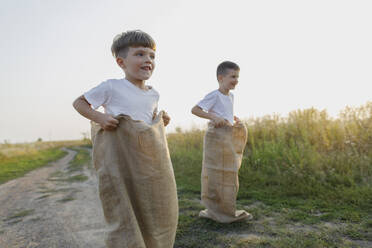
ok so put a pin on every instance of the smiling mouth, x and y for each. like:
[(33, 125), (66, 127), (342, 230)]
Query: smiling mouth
[(146, 68)]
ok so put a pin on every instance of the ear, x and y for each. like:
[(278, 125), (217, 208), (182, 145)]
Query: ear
[(120, 62), (219, 78)]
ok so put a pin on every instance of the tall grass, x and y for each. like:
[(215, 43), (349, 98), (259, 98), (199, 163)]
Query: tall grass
[(9, 150), (311, 155), (306, 155), (186, 149)]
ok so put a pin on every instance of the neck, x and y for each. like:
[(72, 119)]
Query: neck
[(138, 83), (223, 91)]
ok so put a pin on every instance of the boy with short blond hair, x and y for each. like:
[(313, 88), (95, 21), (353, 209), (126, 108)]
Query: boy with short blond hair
[(223, 147), (130, 153)]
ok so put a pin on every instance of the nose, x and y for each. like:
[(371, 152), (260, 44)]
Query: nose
[(148, 58)]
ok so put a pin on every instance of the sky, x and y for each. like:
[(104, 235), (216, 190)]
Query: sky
[(292, 54)]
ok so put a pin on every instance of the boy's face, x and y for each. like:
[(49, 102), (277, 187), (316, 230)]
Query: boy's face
[(229, 80), (139, 63)]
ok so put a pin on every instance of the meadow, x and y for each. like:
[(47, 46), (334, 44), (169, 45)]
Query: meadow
[(18, 159), (306, 178)]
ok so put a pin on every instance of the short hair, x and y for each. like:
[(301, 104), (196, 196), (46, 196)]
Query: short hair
[(132, 38), (224, 66)]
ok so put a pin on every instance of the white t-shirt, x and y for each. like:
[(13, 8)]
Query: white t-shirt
[(219, 104), (119, 96)]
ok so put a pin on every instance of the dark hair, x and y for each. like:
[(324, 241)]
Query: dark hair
[(224, 66), (133, 38)]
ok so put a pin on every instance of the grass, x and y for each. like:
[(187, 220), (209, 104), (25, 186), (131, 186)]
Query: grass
[(8, 150), (66, 199), (20, 214), (77, 178), (81, 159), (76, 166), (18, 159), (306, 178), (13, 167)]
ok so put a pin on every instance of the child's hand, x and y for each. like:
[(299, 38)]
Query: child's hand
[(237, 120), (166, 118), (107, 122), (220, 122)]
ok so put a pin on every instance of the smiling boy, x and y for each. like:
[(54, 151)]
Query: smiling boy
[(223, 147), (218, 104), (130, 152), (134, 52)]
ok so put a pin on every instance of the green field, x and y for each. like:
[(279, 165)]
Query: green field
[(18, 159), (306, 178)]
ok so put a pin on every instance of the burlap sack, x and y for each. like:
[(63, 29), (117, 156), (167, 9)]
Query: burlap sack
[(136, 184), (222, 157)]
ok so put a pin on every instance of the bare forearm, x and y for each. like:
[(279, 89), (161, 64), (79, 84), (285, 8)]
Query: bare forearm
[(196, 110), (83, 107)]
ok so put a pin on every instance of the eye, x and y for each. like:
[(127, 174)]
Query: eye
[(139, 54), (152, 56)]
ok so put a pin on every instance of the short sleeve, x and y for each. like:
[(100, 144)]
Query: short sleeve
[(208, 101), (99, 95)]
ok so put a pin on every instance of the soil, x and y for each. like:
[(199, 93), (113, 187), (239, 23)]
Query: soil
[(41, 210)]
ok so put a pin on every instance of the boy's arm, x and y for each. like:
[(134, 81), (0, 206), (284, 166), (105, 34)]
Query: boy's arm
[(218, 121), (106, 121)]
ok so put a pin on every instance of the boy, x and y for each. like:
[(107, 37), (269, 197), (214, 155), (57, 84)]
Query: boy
[(130, 153), (224, 143)]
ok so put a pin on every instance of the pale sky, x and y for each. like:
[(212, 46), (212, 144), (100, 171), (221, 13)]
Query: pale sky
[(292, 54)]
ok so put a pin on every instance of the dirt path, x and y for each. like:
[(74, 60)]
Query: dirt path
[(40, 210)]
